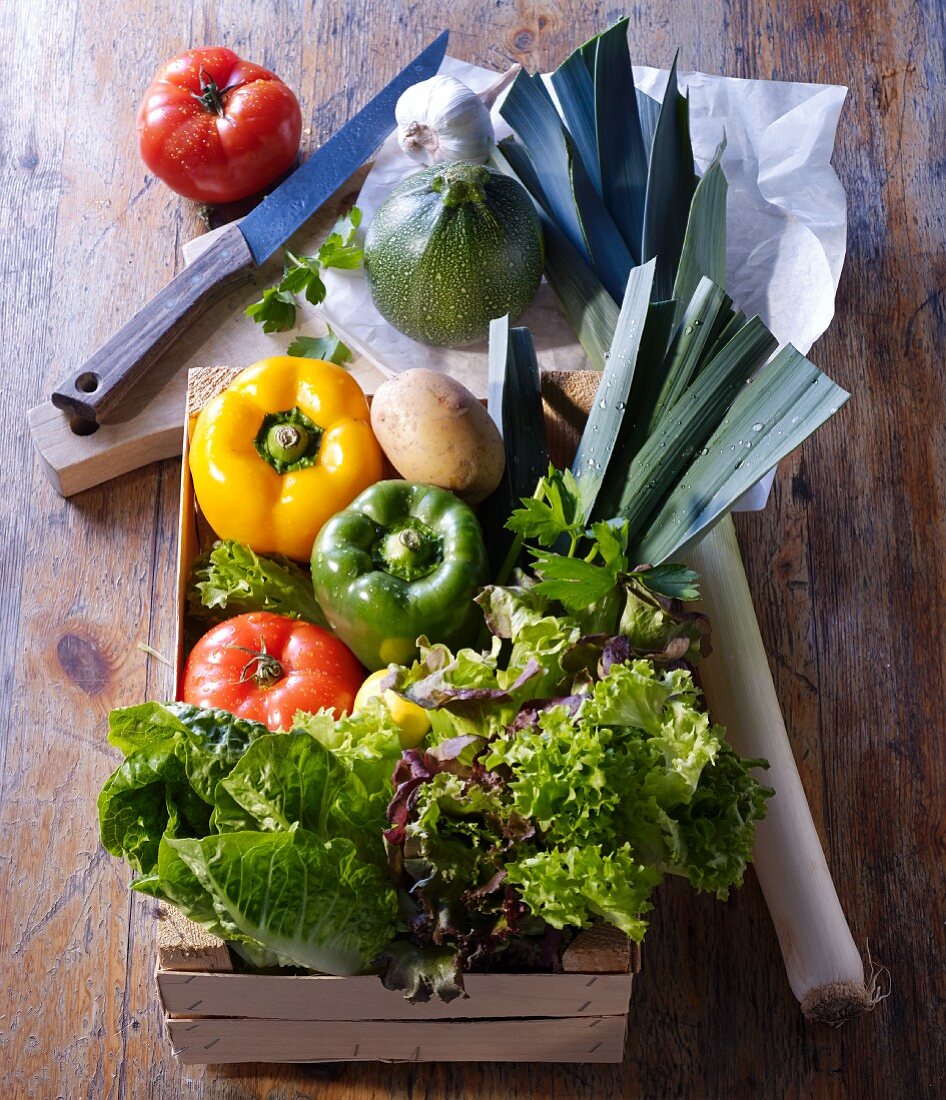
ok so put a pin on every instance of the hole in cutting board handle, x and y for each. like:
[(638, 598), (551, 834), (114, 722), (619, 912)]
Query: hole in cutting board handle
[(88, 382)]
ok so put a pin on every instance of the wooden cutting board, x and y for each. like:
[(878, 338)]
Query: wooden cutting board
[(148, 426)]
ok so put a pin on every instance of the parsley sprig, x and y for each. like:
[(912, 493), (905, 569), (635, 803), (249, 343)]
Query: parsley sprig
[(327, 347), (276, 310), (594, 562)]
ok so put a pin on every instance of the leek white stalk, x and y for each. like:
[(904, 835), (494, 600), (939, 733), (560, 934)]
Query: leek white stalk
[(823, 963)]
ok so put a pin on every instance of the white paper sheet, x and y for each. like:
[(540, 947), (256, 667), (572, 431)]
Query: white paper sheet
[(787, 225)]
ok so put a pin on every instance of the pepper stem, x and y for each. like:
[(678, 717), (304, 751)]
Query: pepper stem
[(287, 443), (288, 440), (409, 551)]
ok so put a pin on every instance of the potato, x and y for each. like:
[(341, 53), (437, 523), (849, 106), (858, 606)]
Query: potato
[(435, 431)]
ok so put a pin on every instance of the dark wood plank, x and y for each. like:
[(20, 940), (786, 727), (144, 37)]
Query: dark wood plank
[(846, 564)]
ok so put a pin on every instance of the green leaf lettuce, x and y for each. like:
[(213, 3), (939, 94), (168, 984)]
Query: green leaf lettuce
[(312, 903)]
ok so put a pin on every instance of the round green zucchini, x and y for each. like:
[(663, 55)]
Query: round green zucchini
[(452, 247)]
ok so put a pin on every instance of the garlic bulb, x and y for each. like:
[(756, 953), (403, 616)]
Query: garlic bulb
[(441, 120)]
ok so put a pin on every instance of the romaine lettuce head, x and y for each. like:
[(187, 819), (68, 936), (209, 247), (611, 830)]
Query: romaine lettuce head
[(147, 796), (214, 740), (312, 903), (176, 754), (287, 779), (295, 832), (174, 882)]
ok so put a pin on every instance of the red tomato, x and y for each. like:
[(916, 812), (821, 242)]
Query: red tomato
[(215, 128), (266, 667)]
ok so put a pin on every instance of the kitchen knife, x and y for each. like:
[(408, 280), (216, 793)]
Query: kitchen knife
[(101, 381)]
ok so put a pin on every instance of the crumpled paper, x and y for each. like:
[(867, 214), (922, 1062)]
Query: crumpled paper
[(786, 212)]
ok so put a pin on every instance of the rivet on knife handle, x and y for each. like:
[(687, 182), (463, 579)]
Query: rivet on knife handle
[(102, 380)]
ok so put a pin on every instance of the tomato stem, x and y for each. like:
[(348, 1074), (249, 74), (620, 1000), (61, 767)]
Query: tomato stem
[(210, 95), (268, 670)]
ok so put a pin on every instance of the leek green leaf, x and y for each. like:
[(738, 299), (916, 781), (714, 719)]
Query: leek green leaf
[(725, 333), (512, 158), (645, 392), (588, 307), (575, 89), (515, 405), (670, 185), (784, 404), (622, 155), (636, 490), (704, 245), (529, 110), (709, 309), (648, 110), (609, 255), (607, 413)]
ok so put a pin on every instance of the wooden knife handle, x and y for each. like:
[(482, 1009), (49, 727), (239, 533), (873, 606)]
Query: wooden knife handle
[(99, 384)]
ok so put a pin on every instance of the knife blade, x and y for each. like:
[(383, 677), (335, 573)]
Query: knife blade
[(93, 390)]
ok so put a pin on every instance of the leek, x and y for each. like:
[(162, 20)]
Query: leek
[(704, 420), (607, 413), (671, 183), (514, 401), (823, 963)]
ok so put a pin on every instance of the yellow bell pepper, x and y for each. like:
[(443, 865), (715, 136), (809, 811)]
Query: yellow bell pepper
[(282, 449), (411, 720)]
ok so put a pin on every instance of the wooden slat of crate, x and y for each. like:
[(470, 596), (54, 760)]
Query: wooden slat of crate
[(213, 1041), (365, 998)]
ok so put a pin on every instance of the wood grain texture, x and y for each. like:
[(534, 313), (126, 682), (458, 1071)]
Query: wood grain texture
[(846, 565), (209, 1041), (112, 370), (265, 997)]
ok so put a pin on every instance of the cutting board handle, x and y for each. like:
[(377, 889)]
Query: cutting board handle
[(99, 384)]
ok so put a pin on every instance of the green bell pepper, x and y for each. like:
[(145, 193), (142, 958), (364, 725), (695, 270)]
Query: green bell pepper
[(403, 560)]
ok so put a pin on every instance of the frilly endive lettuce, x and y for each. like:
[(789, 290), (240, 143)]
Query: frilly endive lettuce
[(570, 886), (231, 579)]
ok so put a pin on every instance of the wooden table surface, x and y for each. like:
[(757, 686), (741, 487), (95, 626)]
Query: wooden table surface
[(847, 564)]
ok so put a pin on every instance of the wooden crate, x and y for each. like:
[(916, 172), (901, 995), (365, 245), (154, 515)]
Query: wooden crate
[(215, 1015)]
